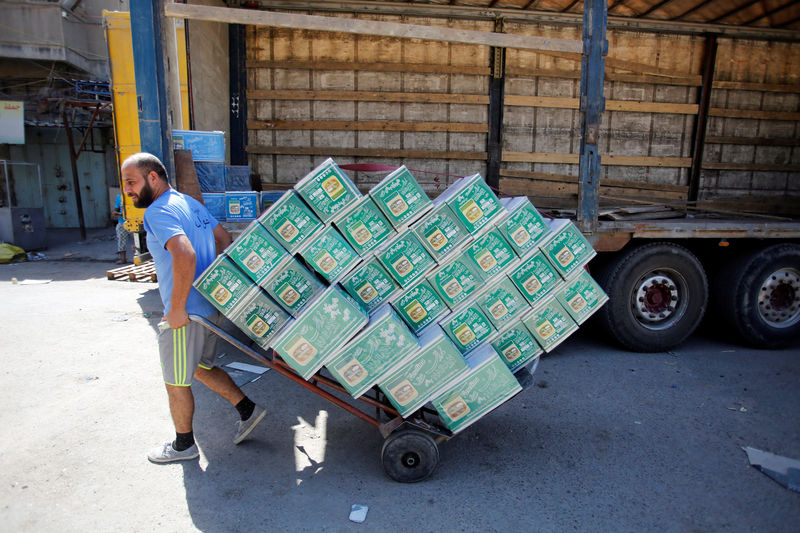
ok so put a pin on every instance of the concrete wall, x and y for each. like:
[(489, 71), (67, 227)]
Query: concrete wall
[(47, 31)]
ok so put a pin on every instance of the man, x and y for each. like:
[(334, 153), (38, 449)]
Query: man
[(122, 233), (183, 239)]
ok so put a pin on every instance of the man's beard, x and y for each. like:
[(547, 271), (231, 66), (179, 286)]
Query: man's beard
[(145, 197)]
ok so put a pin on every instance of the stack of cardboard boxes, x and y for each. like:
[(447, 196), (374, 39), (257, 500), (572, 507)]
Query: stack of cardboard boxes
[(435, 302)]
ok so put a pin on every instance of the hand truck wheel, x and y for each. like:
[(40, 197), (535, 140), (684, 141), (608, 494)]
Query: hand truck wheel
[(409, 456)]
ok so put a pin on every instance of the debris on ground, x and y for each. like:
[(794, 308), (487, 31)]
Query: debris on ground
[(358, 513), (784, 470)]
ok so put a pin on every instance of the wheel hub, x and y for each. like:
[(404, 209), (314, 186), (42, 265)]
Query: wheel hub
[(656, 298), (410, 460), (779, 298)]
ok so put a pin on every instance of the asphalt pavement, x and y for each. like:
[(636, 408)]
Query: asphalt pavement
[(605, 440)]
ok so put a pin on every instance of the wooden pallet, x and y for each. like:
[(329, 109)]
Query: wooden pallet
[(144, 272)]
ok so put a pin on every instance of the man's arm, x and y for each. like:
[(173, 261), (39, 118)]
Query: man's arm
[(221, 238), (183, 267)]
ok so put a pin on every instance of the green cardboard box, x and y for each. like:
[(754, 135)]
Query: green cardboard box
[(455, 280), (490, 253), (259, 316), (385, 343), (523, 227), (431, 369), (292, 285), (405, 258), (467, 327), (549, 323), (515, 345), (500, 301), (256, 252), (364, 226), (581, 296), (322, 328), (535, 277), (440, 231), (566, 248), (223, 284), (400, 197), (329, 254), (487, 384), (290, 221), (419, 306), (369, 284), (327, 190), (471, 199)]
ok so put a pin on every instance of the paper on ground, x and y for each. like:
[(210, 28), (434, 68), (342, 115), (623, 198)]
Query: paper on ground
[(784, 470), (358, 513)]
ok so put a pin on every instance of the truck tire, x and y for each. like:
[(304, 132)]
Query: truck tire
[(657, 296), (759, 293)]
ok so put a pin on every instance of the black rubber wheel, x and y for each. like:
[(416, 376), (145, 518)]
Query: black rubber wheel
[(409, 456), (759, 293), (657, 296)]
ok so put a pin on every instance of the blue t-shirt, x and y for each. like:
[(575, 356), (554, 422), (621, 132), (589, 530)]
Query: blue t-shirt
[(173, 214)]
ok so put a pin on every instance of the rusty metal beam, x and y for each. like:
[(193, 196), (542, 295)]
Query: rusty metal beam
[(702, 229)]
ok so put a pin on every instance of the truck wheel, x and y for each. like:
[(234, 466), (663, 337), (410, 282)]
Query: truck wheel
[(409, 456), (759, 293), (657, 296)]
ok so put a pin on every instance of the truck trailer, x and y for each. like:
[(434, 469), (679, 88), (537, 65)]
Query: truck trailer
[(672, 137)]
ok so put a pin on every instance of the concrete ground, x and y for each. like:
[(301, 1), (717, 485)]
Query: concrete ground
[(606, 440)]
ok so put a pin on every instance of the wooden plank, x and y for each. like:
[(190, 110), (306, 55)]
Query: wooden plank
[(541, 101), (758, 167), (373, 67), (540, 157), (368, 96), (349, 125), (570, 190), (370, 27), (611, 105), (786, 205), (611, 160), (753, 113), (766, 87), (622, 64), (651, 107), (144, 272), (365, 152), (646, 161), (574, 74), (753, 141), (544, 176), (186, 175)]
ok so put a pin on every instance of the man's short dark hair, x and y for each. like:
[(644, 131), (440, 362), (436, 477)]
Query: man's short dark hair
[(147, 163)]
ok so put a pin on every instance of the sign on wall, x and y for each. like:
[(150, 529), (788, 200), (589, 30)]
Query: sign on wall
[(12, 122)]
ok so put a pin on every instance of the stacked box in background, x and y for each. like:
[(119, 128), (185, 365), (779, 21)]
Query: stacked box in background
[(225, 189), (436, 302)]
